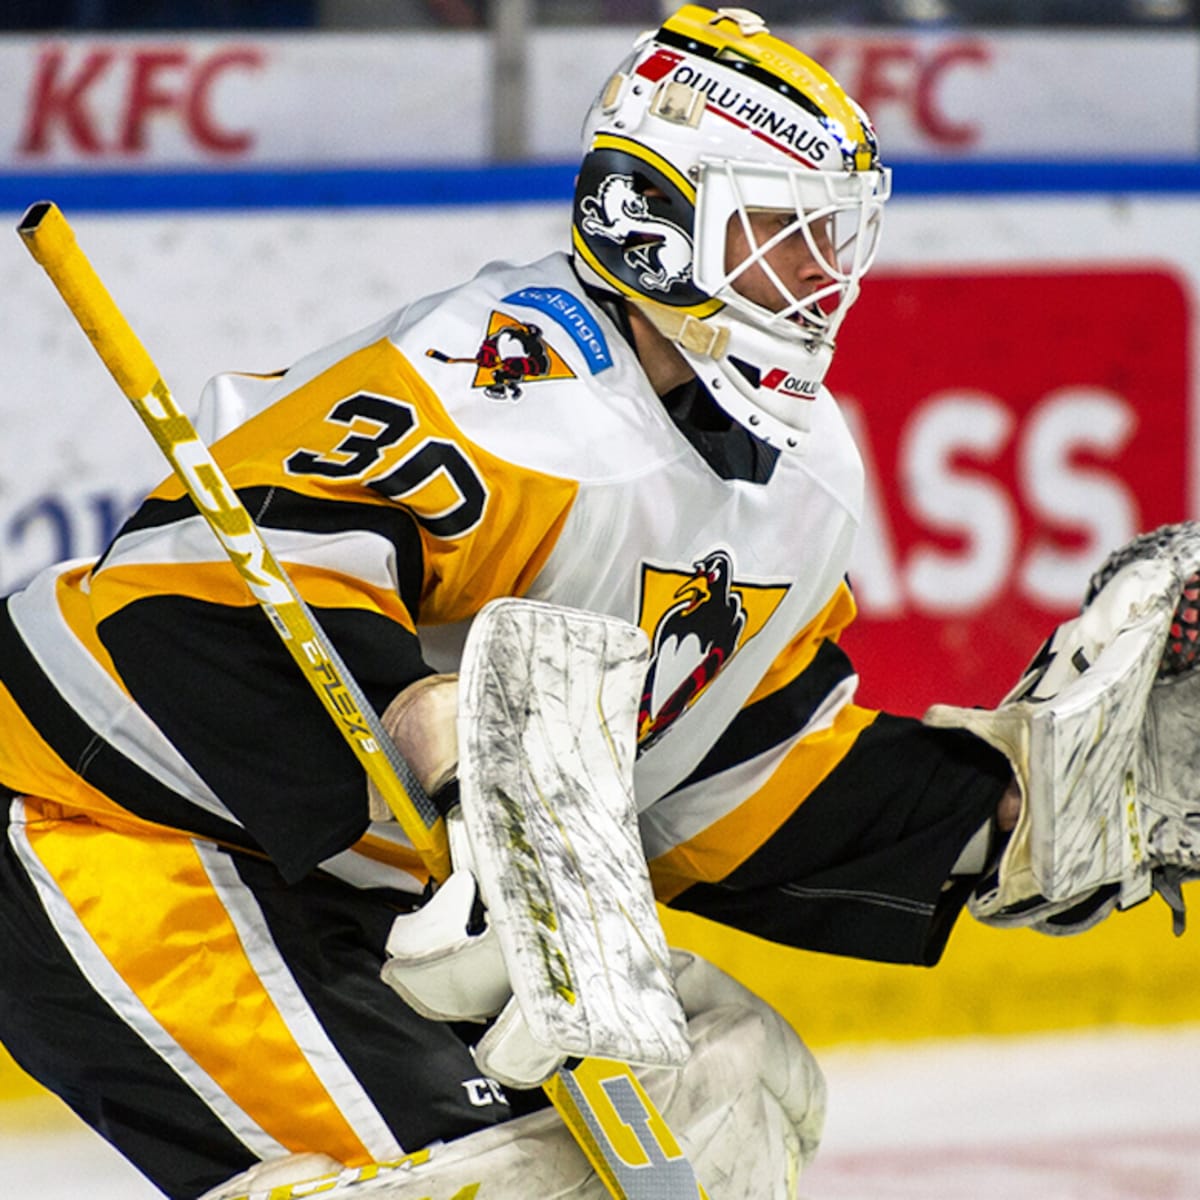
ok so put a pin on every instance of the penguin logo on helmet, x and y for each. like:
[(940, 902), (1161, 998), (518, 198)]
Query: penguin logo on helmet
[(633, 223), (653, 246)]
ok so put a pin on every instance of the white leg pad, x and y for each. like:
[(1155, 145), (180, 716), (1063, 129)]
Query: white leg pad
[(276, 1173), (747, 1109)]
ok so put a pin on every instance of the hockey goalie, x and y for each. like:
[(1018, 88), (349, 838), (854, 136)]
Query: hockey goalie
[(579, 530)]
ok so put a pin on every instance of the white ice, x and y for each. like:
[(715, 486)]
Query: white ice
[(1112, 1115)]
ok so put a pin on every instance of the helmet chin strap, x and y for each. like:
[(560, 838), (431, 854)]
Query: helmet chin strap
[(686, 331), (778, 410)]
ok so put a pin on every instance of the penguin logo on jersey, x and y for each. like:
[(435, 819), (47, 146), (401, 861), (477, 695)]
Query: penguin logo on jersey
[(512, 353), (696, 621)]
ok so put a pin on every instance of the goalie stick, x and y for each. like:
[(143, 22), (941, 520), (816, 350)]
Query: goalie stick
[(51, 241), (614, 1121)]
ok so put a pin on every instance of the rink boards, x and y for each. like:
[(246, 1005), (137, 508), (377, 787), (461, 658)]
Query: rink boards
[(210, 290)]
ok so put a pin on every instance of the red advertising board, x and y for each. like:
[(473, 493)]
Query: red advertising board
[(1017, 425)]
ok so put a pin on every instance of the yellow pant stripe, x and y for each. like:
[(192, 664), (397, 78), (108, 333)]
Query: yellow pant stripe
[(152, 911)]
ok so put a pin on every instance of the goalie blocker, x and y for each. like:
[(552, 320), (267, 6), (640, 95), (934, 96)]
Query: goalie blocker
[(1102, 734), (540, 730)]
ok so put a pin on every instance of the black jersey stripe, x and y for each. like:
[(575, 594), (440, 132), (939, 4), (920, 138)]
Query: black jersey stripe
[(860, 866), (426, 1100), (91, 756), (220, 684), (775, 718), (282, 508)]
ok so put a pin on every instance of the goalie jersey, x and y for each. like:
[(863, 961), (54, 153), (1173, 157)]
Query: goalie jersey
[(502, 439)]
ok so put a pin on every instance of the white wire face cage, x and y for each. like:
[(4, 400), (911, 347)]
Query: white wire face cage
[(838, 214), (733, 139)]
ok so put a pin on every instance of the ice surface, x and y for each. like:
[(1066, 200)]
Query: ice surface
[(1112, 1115)]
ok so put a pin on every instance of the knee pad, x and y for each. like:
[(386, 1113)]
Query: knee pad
[(747, 1108)]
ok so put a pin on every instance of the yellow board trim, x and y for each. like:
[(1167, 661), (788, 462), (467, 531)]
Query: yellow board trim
[(1130, 970)]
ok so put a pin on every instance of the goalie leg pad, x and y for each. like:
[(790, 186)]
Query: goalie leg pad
[(749, 1107), (746, 1109), (277, 1173)]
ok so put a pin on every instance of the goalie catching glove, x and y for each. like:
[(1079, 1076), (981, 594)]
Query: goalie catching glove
[(1103, 733)]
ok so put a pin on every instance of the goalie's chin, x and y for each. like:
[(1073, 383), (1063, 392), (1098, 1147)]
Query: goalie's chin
[(768, 386)]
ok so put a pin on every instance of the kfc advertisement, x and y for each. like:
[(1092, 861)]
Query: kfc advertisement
[(419, 96)]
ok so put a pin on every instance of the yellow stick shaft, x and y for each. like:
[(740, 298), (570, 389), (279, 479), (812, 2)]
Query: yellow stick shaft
[(51, 241)]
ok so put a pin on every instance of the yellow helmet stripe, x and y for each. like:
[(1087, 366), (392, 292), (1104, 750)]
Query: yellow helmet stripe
[(718, 37), (611, 141)]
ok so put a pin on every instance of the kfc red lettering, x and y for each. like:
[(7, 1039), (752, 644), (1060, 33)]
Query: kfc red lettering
[(199, 103), (111, 101), (886, 73), (59, 99), (927, 102), (149, 93), (897, 73)]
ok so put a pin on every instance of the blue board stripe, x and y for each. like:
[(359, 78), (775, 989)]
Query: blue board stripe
[(526, 183)]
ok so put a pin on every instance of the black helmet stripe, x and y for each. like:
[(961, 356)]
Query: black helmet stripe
[(742, 66)]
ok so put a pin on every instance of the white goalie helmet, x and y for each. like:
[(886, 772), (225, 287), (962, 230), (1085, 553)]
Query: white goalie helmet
[(710, 123)]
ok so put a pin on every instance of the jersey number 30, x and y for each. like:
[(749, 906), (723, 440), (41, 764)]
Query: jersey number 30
[(388, 421)]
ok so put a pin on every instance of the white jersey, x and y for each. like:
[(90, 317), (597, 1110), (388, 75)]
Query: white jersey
[(497, 439)]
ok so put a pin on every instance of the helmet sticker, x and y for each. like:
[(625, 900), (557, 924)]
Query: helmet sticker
[(790, 384), (512, 353), (657, 249), (778, 125), (633, 222), (659, 64)]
